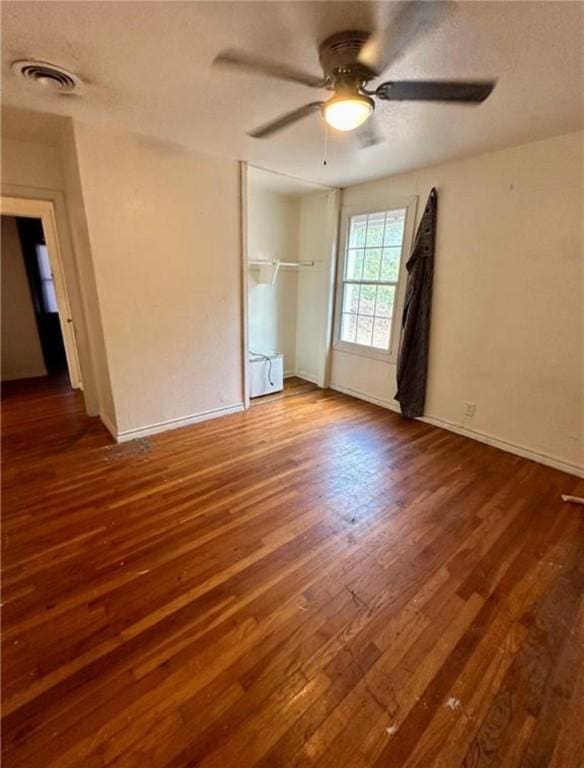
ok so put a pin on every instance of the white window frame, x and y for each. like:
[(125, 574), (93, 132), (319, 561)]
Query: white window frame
[(392, 204)]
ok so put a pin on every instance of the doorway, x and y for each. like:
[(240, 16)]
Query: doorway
[(290, 241), (38, 338), (41, 284)]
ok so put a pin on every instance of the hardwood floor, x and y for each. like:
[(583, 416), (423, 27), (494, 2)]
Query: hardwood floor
[(315, 582), (293, 386)]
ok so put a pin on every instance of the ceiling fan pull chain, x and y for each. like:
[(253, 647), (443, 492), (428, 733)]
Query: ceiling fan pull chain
[(324, 162)]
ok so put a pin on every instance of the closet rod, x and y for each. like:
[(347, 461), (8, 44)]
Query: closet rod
[(260, 262)]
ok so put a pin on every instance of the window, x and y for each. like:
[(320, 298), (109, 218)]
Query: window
[(370, 275), (47, 284)]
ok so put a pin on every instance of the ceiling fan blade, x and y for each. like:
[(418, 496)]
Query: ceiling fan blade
[(285, 120), (251, 63), (368, 134), (436, 90), (412, 20)]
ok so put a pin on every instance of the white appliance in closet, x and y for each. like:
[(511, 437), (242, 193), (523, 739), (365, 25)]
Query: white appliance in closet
[(266, 373)]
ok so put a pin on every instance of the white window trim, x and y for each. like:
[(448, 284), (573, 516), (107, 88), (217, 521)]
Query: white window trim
[(410, 205)]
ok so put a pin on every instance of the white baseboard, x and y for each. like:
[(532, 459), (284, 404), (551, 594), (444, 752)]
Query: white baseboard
[(312, 378), (393, 405), (473, 434), (183, 421), (307, 376)]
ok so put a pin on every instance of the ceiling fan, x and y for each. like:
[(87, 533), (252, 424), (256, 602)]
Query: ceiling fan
[(350, 60)]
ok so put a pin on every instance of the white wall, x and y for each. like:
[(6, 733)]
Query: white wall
[(33, 164), (22, 356), (507, 318), (165, 235), (273, 232), (318, 231)]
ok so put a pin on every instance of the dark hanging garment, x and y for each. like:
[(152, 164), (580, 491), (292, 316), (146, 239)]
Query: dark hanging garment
[(412, 362)]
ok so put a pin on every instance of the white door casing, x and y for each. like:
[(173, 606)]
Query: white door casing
[(44, 210)]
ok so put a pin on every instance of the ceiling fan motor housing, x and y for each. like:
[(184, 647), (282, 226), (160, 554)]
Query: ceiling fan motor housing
[(338, 58), (350, 60)]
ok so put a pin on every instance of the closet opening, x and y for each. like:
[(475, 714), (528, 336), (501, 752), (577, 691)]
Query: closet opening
[(291, 248)]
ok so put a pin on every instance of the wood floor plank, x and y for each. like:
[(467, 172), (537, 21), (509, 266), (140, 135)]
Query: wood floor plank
[(312, 582)]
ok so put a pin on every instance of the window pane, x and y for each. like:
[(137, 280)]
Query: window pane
[(385, 297), (49, 296), (351, 298), (358, 230), (375, 226), (372, 264), (364, 330), (348, 327), (390, 264), (381, 333), (367, 300), (43, 262), (354, 264), (374, 252), (394, 228)]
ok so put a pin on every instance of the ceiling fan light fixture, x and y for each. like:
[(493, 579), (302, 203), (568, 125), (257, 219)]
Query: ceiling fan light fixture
[(345, 113)]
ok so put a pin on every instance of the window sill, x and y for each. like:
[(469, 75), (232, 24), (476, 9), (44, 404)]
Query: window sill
[(361, 351)]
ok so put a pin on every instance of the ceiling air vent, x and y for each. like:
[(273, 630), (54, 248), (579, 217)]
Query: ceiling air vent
[(47, 76)]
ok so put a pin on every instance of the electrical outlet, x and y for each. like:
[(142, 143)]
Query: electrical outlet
[(470, 409)]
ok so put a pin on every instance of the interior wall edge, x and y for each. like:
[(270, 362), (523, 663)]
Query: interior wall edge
[(243, 212), (334, 208), (109, 425), (481, 437), (310, 376), (92, 300)]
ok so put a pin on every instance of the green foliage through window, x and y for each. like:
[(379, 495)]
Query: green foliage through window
[(372, 265)]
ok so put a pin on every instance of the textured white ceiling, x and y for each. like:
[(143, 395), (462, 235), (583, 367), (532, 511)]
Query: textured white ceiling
[(148, 70)]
